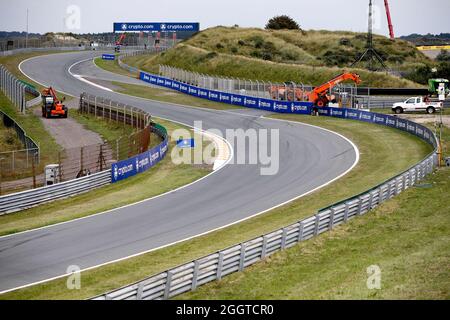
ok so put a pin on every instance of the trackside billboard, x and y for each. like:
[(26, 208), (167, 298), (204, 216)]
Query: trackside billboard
[(156, 26)]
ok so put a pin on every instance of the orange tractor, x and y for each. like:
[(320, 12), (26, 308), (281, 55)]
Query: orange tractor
[(318, 95), (51, 106)]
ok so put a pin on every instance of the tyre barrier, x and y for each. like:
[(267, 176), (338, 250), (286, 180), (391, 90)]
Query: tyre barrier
[(189, 276)]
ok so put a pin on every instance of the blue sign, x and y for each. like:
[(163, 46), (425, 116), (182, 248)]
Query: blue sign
[(140, 163), (156, 26), (108, 57), (185, 143)]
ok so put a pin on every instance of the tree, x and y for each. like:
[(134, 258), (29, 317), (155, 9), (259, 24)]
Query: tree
[(282, 22), (444, 56)]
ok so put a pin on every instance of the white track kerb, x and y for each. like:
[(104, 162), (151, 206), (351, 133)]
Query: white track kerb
[(231, 155)]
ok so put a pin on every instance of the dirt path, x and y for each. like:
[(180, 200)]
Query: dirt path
[(70, 135), (67, 132)]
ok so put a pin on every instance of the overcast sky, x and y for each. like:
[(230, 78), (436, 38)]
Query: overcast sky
[(409, 16)]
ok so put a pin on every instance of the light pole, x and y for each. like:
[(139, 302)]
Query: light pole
[(26, 38)]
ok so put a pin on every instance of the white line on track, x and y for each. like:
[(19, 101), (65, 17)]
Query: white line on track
[(204, 233)]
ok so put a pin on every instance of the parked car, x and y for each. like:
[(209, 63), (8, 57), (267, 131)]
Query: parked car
[(417, 104)]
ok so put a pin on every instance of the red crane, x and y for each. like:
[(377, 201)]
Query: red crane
[(388, 14)]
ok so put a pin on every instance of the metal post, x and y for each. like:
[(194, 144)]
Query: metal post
[(167, 287), (33, 170), (195, 275), (59, 167), (1, 175), (220, 266), (81, 158), (242, 257)]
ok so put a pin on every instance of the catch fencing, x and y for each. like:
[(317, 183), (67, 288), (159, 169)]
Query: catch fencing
[(85, 168), (212, 267), (18, 160), (137, 53), (346, 95), (21, 170), (13, 89)]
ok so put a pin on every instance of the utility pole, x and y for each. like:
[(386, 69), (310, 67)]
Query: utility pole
[(371, 55), (26, 38)]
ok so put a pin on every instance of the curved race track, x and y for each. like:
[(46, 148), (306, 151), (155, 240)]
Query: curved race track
[(310, 157)]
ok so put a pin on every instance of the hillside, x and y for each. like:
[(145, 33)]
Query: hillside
[(311, 57)]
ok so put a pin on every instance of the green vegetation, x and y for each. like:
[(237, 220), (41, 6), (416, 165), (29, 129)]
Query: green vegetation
[(446, 111), (109, 131), (282, 22), (407, 237), (170, 96), (395, 152), (9, 140), (34, 128), (162, 178), (311, 57), (112, 66)]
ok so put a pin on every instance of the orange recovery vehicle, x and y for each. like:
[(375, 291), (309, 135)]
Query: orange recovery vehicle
[(318, 95), (51, 106)]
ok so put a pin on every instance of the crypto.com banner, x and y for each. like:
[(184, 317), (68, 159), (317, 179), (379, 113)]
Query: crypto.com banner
[(156, 26), (140, 163)]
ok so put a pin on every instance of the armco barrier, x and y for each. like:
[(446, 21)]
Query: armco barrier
[(30, 198), (212, 267), (137, 164)]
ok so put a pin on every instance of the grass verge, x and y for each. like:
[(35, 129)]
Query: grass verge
[(158, 94), (446, 111), (113, 66), (162, 178), (34, 129), (395, 152), (407, 238), (170, 96)]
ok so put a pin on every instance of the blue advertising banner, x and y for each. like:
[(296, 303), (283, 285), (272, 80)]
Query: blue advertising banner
[(108, 56), (139, 163), (156, 26), (185, 143)]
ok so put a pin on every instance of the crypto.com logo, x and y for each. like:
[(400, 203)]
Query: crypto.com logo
[(251, 147), (73, 17)]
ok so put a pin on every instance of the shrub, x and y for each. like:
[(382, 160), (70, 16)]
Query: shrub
[(219, 46), (282, 22), (234, 50), (443, 56)]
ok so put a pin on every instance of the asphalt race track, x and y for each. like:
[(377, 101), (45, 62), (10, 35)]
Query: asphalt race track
[(310, 157)]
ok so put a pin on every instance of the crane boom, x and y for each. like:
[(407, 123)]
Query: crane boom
[(388, 14)]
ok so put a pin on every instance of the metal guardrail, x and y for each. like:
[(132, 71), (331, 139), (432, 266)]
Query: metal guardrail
[(122, 149), (212, 267), (30, 198)]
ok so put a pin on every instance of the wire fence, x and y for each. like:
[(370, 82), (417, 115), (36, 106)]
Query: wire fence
[(343, 95), (18, 161), (21, 169)]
